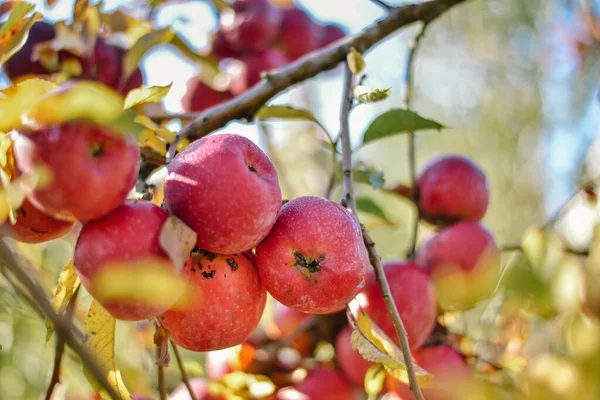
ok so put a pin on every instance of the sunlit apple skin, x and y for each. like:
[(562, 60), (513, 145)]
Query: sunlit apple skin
[(226, 189), (299, 34), (352, 364), (331, 33), (21, 64), (199, 96), (415, 298), (252, 26), (448, 368), (33, 226), (199, 387), (226, 302), (92, 169), (320, 384), (452, 188), (313, 259), (248, 74), (129, 233), (464, 263)]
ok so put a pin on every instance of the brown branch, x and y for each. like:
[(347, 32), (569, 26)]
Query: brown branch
[(63, 326), (184, 375), (162, 386), (374, 257), (382, 4), (245, 106), (60, 349), (408, 83)]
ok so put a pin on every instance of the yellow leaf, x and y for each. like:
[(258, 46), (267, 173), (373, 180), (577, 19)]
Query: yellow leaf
[(68, 282), (150, 281), (374, 380), (374, 345), (20, 98), (7, 161), (152, 94), (99, 329), (14, 31), (177, 240), (5, 208), (355, 61)]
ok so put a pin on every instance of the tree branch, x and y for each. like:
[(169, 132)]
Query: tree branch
[(184, 375), (162, 386), (408, 82), (382, 4), (374, 257), (63, 327), (245, 106)]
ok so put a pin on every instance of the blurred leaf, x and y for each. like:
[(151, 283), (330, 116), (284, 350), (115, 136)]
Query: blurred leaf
[(369, 175), (19, 98), (210, 65), (152, 94), (14, 31), (68, 282), (161, 340), (366, 95), (397, 121), (288, 113), (220, 5), (7, 161), (83, 100), (374, 380), (177, 240), (142, 46), (79, 9), (368, 206), (534, 245), (7, 6), (374, 345), (355, 61), (99, 329)]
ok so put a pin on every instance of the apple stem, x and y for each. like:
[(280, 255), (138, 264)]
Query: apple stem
[(349, 201), (162, 387), (182, 370)]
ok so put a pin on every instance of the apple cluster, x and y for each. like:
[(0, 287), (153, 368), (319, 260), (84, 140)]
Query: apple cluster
[(256, 36), (102, 63)]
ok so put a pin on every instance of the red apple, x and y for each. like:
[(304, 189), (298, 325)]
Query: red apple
[(352, 364), (287, 319), (135, 80), (331, 33), (313, 259), (246, 69), (221, 48), (320, 384), (199, 387), (464, 263), (199, 96), (448, 368), (227, 302), (452, 188), (93, 169), (33, 226), (127, 235), (226, 189), (299, 34), (21, 64), (251, 25), (414, 296)]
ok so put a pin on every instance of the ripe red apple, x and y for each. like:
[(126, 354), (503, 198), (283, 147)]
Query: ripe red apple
[(452, 188), (251, 25), (220, 46), (21, 64), (226, 189), (228, 302), (448, 368), (414, 296), (331, 33), (287, 319), (135, 80), (246, 68), (199, 96), (199, 387), (464, 263), (33, 226), (93, 169), (321, 384), (313, 259), (128, 234), (352, 364), (299, 34)]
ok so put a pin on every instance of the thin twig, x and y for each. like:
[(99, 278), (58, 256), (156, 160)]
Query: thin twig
[(519, 248), (63, 326), (382, 4), (60, 349), (374, 257), (184, 375), (408, 83), (162, 386), (245, 106)]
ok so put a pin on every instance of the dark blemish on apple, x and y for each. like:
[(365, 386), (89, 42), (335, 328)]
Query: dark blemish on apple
[(252, 169), (232, 263), (38, 231), (22, 211), (308, 266), (206, 254), (246, 255), (225, 276), (193, 269), (97, 150), (210, 274)]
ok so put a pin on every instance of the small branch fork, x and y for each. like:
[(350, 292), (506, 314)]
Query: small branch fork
[(374, 258)]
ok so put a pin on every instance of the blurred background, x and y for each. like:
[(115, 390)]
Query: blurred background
[(515, 82)]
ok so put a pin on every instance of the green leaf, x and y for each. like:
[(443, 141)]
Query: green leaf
[(68, 282), (374, 380), (142, 46), (152, 94), (14, 31), (397, 121), (366, 95), (366, 205), (355, 61), (289, 113), (369, 175)]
